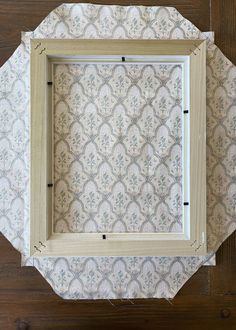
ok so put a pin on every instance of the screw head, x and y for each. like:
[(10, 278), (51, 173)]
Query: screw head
[(22, 325), (225, 313)]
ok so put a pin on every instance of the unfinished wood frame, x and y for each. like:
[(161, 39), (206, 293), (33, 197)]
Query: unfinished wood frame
[(43, 241)]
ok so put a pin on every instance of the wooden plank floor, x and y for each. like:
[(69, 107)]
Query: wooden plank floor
[(208, 299)]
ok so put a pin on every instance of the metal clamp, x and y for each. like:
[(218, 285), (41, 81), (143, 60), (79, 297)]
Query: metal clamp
[(197, 47), (37, 249), (37, 46), (42, 51), (192, 51), (193, 243), (198, 247)]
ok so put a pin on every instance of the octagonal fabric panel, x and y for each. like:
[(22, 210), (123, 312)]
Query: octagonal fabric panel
[(113, 277)]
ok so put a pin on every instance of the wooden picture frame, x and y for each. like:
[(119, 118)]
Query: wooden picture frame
[(192, 241)]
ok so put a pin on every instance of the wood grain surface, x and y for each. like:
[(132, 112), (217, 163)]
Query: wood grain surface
[(207, 300)]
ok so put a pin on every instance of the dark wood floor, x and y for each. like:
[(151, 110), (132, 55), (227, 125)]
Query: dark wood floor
[(208, 299)]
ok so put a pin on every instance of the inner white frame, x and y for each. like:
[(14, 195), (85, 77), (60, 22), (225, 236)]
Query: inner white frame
[(171, 59)]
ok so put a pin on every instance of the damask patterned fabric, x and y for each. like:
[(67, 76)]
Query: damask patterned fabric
[(115, 277), (118, 148)]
